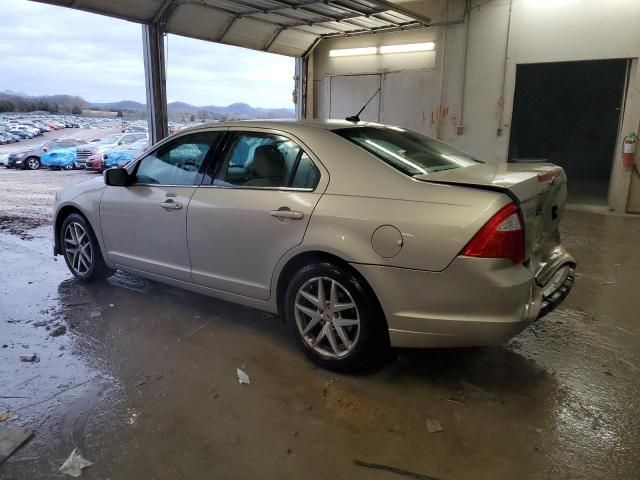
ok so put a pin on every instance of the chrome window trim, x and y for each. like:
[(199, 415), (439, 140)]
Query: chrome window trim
[(286, 189)]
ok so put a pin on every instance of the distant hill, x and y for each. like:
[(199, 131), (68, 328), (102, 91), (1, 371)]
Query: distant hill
[(20, 102), (235, 110), (121, 105)]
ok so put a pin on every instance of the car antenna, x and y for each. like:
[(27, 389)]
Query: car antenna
[(356, 118)]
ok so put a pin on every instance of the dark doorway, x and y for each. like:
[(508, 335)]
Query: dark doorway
[(568, 113)]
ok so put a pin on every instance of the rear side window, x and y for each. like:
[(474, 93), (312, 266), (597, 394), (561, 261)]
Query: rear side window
[(266, 160), (411, 153), (307, 174)]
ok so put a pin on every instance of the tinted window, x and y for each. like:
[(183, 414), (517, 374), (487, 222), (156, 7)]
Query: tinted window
[(263, 160), (409, 152), (178, 162), (307, 174)]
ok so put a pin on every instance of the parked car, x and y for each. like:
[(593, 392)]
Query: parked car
[(20, 133), (6, 137), (105, 144), (59, 159), (4, 160), (95, 162), (30, 158), (122, 155), (360, 235)]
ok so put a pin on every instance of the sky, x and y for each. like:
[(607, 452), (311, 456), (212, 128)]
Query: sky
[(47, 50)]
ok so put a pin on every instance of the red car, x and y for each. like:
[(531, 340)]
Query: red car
[(95, 162)]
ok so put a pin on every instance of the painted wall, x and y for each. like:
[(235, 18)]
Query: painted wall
[(502, 34)]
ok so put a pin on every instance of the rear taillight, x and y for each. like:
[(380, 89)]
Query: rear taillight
[(501, 237)]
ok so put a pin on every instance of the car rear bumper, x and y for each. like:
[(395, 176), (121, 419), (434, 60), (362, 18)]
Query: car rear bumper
[(474, 302)]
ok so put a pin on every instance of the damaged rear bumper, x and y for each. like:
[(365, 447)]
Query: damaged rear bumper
[(557, 288)]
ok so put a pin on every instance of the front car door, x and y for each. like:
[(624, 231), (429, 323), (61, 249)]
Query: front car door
[(144, 224), (254, 209)]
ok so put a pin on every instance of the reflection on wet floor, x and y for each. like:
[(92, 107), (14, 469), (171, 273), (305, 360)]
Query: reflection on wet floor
[(144, 383)]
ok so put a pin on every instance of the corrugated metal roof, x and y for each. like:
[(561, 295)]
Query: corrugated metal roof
[(287, 27)]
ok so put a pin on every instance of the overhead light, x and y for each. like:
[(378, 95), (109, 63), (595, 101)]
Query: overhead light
[(409, 47), (349, 52), (406, 48)]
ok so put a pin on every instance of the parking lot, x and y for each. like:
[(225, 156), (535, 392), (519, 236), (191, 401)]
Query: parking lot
[(143, 379)]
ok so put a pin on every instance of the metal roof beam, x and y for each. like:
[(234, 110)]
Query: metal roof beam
[(384, 4), (273, 39), (226, 29), (296, 23), (374, 30), (165, 11)]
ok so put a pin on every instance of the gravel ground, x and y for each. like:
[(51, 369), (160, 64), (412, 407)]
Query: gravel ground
[(26, 197)]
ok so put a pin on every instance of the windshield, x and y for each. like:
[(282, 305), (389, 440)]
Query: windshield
[(110, 139), (409, 152)]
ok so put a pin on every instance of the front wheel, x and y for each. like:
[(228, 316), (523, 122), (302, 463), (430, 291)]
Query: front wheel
[(68, 166), (334, 318), (82, 251), (32, 163)]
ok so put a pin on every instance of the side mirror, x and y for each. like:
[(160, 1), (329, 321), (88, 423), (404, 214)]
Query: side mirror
[(116, 177)]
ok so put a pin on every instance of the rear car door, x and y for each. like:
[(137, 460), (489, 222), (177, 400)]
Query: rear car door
[(144, 224), (253, 210)]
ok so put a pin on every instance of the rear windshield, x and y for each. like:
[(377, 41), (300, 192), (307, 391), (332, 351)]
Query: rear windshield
[(409, 152)]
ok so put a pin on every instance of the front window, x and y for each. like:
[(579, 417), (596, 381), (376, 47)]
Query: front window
[(178, 162), (411, 153)]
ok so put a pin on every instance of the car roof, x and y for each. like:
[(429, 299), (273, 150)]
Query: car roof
[(287, 124)]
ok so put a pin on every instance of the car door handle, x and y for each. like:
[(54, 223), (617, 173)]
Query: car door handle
[(286, 213), (171, 205)]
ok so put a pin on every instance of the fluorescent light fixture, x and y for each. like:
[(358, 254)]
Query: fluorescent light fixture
[(350, 52), (409, 47), (406, 48)]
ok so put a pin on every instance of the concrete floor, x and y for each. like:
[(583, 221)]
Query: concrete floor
[(144, 381)]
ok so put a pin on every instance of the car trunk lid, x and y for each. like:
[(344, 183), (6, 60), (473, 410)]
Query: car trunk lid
[(541, 192)]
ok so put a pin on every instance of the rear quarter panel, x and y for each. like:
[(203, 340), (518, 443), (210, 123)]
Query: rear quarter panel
[(433, 233)]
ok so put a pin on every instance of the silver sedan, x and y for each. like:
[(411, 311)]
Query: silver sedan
[(362, 236)]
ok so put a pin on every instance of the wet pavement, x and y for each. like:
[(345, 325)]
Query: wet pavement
[(143, 382)]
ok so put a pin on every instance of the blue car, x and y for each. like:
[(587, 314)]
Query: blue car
[(20, 133), (59, 159), (120, 156)]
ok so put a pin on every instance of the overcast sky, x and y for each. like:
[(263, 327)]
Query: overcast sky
[(46, 50)]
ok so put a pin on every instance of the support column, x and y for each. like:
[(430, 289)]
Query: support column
[(299, 88), (156, 81)]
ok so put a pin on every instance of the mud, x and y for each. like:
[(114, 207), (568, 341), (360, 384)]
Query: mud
[(143, 382)]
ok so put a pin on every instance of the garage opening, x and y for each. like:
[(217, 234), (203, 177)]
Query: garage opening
[(569, 113)]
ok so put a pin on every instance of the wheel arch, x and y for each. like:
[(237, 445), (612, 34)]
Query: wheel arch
[(61, 215), (304, 258)]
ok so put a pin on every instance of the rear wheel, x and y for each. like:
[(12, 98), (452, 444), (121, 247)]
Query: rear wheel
[(32, 163), (81, 250), (334, 319), (68, 166)]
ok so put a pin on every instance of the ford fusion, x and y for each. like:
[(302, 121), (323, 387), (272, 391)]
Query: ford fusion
[(361, 236)]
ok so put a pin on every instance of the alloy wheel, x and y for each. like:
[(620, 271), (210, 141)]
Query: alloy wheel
[(327, 317), (33, 164), (78, 249)]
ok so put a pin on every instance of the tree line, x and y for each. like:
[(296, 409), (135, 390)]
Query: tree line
[(15, 102)]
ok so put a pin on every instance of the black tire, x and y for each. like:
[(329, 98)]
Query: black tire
[(32, 163), (69, 167), (98, 269), (371, 345)]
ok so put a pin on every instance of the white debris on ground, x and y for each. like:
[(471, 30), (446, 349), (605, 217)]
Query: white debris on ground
[(74, 464), (243, 377)]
